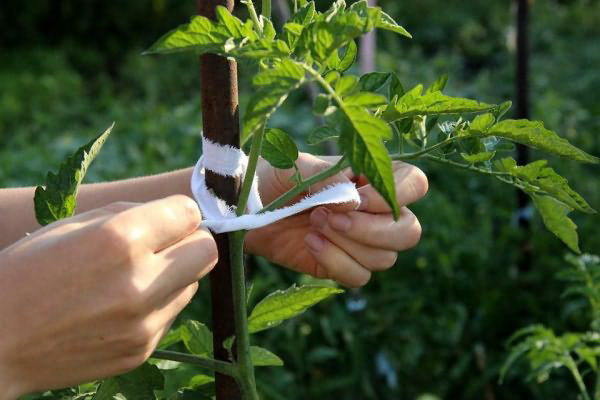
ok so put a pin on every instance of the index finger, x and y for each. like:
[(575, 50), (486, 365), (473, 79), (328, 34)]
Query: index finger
[(160, 223), (411, 184)]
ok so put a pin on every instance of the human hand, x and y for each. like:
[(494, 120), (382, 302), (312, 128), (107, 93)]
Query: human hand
[(338, 242), (91, 296)]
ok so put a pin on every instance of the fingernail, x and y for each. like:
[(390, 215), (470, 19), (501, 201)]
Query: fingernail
[(364, 202), (314, 242), (340, 222), (318, 218)]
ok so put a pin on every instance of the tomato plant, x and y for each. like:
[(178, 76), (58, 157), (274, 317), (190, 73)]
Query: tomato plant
[(373, 118)]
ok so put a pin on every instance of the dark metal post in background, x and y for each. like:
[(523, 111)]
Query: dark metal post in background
[(522, 111), (220, 116)]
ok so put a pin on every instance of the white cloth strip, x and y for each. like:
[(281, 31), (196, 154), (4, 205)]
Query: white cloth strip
[(221, 218), (224, 160)]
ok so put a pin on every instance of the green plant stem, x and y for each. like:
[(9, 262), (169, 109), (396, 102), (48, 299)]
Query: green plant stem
[(422, 152), (245, 368), (579, 381), (221, 367), (597, 387), (254, 16), (266, 8), (250, 171), (468, 167), (298, 189)]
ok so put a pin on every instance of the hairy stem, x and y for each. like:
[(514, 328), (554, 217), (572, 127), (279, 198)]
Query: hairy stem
[(426, 150), (300, 188), (254, 16), (245, 368), (221, 367), (468, 167), (266, 8)]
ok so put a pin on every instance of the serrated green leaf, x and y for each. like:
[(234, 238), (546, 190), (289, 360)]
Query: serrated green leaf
[(482, 122), (275, 84), (228, 36), (57, 199), (373, 81), (395, 88), (197, 338), (502, 109), (555, 217), (336, 28), (332, 77), (365, 99), (269, 31), (138, 384), (346, 85), (322, 134), (293, 28), (534, 134), (478, 157), (303, 17), (539, 174), (362, 143), (284, 304), (262, 357), (439, 84), (349, 57), (279, 149), (415, 102), (387, 23), (342, 64)]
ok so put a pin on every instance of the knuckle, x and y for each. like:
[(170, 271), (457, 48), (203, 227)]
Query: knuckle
[(113, 238), (188, 207), (131, 302)]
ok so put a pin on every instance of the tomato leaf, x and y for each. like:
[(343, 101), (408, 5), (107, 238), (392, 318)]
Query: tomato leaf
[(274, 85), (533, 134), (555, 217), (279, 149), (57, 200), (362, 142), (322, 134), (262, 357), (415, 102), (373, 81), (285, 304), (197, 338), (138, 384)]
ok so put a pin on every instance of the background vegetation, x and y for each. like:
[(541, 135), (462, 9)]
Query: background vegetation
[(435, 326)]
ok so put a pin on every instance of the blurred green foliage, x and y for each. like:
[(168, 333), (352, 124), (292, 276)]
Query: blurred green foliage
[(433, 327)]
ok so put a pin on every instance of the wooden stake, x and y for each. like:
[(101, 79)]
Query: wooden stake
[(220, 116)]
